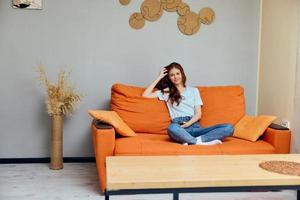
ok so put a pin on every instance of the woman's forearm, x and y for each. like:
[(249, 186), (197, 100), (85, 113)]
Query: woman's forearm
[(150, 88), (148, 92), (194, 119)]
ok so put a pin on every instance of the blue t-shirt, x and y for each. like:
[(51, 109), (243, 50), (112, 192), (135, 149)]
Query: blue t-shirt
[(190, 99)]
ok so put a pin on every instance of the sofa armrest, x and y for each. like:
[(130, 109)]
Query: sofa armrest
[(101, 125), (280, 139), (104, 145)]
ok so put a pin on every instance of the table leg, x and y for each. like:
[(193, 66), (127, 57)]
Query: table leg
[(106, 197), (175, 196), (298, 194)]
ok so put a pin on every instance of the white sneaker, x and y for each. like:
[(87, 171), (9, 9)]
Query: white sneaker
[(213, 142)]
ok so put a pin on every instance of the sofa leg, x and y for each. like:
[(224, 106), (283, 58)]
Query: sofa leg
[(175, 196)]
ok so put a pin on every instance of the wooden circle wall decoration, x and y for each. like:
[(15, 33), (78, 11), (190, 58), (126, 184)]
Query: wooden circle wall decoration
[(189, 23), (136, 21), (206, 15), (183, 9), (151, 10), (124, 2), (170, 5)]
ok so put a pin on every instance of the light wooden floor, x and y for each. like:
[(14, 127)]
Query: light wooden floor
[(79, 181)]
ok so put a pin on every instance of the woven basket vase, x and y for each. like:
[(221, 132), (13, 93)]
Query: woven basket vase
[(57, 142)]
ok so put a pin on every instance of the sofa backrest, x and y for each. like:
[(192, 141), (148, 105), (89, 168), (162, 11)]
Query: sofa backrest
[(221, 104)]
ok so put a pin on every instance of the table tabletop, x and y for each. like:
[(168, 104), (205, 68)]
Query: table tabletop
[(149, 172)]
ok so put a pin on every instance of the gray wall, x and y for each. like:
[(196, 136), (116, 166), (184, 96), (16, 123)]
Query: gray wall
[(93, 39)]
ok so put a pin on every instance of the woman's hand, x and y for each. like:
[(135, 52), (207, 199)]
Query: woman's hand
[(148, 93), (163, 72), (185, 124)]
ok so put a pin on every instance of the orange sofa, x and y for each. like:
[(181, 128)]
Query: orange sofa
[(149, 118)]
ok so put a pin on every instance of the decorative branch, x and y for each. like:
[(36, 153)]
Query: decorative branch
[(61, 100)]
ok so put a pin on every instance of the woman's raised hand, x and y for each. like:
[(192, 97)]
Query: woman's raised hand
[(163, 72), (149, 93)]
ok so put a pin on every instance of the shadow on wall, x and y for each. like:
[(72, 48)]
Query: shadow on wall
[(88, 139), (44, 122)]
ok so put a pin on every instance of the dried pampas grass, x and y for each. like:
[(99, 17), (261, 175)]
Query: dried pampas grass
[(62, 99)]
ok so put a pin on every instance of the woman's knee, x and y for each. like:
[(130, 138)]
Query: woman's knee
[(228, 130), (174, 132), (173, 128)]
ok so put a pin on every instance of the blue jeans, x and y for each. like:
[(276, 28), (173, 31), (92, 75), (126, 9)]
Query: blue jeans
[(189, 134)]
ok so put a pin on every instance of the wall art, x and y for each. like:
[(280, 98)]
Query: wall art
[(188, 22), (27, 4)]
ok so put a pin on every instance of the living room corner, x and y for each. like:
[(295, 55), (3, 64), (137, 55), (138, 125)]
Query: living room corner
[(278, 74)]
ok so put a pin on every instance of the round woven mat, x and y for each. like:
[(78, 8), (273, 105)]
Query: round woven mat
[(281, 167)]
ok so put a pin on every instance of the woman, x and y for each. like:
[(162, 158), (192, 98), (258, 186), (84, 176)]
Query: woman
[(184, 105)]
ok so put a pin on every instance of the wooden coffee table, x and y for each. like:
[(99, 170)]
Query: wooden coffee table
[(187, 174)]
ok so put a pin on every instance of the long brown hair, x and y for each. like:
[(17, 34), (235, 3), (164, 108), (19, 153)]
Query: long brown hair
[(165, 82)]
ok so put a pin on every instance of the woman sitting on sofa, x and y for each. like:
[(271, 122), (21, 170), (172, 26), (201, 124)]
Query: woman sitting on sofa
[(184, 105)]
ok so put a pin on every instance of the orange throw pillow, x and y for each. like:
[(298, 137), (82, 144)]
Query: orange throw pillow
[(112, 118), (251, 128)]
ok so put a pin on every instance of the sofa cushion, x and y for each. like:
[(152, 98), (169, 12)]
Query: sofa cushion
[(139, 113), (233, 145), (222, 104), (252, 127), (154, 144), (112, 118)]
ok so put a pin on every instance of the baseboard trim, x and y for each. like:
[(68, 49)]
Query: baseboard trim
[(45, 160)]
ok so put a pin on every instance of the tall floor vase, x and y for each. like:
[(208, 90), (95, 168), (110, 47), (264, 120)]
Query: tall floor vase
[(57, 142)]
